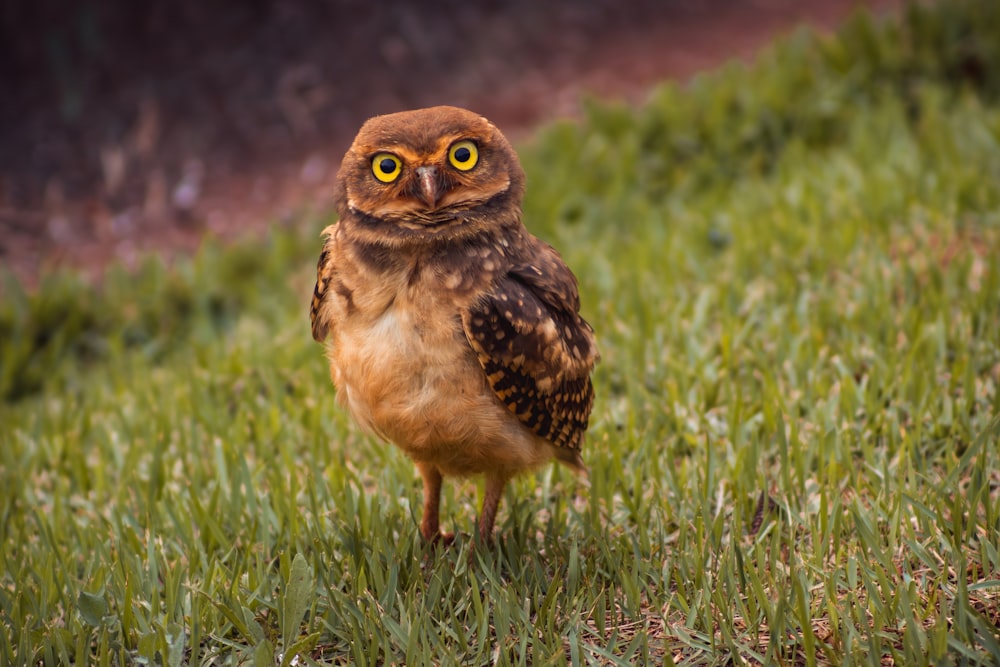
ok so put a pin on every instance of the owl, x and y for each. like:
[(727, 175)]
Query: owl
[(450, 330)]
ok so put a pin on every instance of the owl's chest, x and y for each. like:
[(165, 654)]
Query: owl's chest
[(410, 334), (403, 314), (400, 356)]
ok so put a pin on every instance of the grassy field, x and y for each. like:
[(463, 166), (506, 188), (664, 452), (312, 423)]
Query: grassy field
[(793, 269)]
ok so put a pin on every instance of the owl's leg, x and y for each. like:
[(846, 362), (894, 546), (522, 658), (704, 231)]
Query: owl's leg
[(430, 525), (495, 484)]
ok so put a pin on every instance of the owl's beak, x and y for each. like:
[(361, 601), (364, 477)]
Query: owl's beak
[(430, 188)]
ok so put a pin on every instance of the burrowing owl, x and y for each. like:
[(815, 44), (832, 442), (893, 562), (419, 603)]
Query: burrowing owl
[(454, 333)]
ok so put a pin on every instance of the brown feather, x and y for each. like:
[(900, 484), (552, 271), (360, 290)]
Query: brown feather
[(536, 350)]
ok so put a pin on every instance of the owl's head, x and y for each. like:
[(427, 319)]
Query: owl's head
[(429, 172)]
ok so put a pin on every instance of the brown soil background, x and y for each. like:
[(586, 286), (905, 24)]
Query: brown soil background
[(135, 127)]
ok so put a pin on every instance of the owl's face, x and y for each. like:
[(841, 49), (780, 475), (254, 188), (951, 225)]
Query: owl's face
[(426, 171)]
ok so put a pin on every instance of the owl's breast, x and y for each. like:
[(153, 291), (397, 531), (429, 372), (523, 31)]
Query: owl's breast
[(398, 363)]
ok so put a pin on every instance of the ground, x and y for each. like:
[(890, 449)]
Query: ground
[(140, 127)]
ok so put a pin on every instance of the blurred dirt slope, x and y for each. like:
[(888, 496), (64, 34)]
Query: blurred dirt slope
[(129, 127)]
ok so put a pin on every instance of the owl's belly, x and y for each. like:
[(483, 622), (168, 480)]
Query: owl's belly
[(415, 381)]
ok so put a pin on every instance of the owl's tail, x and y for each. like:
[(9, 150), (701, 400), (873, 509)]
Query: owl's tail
[(571, 458)]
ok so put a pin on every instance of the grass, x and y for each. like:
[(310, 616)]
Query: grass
[(792, 269)]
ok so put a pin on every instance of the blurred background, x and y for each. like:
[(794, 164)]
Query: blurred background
[(135, 127)]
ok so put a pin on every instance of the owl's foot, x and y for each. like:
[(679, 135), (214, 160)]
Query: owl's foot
[(430, 526), (444, 539), (491, 501)]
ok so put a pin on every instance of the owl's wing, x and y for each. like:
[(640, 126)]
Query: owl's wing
[(325, 278), (536, 350)]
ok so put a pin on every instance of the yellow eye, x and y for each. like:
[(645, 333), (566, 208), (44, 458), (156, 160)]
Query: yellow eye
[(386, 167), (463, 155)]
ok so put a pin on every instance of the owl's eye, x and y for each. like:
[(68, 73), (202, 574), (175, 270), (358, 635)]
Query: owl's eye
[(463, 155), (386, 167)]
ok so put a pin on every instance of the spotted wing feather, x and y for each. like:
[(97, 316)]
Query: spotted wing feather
[(536, 350), (325, 279)]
